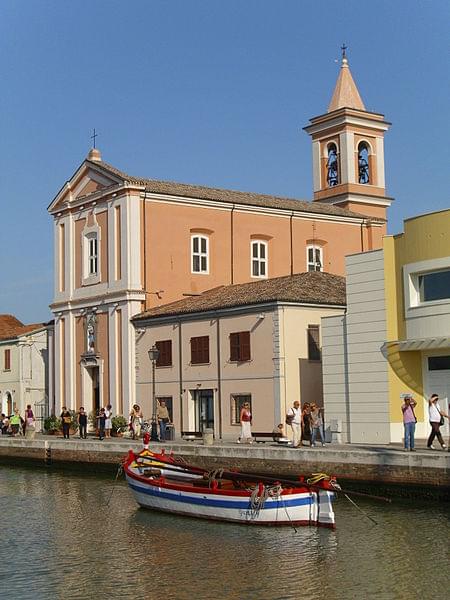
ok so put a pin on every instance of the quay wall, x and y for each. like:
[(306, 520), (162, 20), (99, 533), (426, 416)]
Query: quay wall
[(368, 465)]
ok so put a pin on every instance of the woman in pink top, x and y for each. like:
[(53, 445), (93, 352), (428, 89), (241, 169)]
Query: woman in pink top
[(409, 422), (246, 422)]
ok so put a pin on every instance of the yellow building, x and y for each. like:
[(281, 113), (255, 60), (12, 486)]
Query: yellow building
[(417, 279), (395, 337)]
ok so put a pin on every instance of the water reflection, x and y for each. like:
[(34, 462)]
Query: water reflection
[(69, 536)]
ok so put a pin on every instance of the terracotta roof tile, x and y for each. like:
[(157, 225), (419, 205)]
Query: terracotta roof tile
[(303, 288), (11, 328), (233, 196)]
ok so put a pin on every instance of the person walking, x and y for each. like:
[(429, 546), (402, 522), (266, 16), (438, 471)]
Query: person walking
[(30, 423), (317, 424), (163, 418), (294, 420), (409, 422), (82, 423), (306, 424), (108, 422), (66, 420), (101, 424), (135, 421), (436, 416), (245, 418)]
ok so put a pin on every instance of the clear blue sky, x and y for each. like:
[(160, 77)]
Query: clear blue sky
[(212, 92)]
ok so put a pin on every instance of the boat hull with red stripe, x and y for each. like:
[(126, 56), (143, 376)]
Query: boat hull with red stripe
[(225, 501)]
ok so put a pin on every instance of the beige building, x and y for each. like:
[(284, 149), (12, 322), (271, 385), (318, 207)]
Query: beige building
[(23, 366), (256, 342)]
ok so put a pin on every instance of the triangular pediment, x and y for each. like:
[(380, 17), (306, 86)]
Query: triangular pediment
[(89, 178)]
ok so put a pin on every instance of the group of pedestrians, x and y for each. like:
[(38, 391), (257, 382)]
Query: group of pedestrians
[(306, 424), (436, 416), (16, 425), (102, 422)]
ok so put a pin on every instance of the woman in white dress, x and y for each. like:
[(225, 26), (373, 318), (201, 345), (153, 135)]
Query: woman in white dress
[(246, 422), (108, 424)]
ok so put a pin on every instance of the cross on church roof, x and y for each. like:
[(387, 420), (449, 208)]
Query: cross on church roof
[(94, 136), (344, 48)]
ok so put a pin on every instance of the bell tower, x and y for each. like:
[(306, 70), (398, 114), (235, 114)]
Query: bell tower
[(348, 151)]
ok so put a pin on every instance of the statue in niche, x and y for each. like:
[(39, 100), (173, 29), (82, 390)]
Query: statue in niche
[(332, 166), (90, 333)]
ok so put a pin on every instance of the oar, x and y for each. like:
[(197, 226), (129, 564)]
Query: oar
[(260, 478)]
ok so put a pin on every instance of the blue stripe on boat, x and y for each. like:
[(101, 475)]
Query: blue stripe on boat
[(220, 502)]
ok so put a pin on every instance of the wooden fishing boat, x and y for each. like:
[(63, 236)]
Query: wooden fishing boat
[(160, 482)]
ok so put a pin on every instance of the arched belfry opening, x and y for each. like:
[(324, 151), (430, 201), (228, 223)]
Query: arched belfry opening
[(364, 175), (332, 165)]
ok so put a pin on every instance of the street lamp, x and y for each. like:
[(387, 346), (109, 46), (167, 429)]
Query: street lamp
[(153, 355)]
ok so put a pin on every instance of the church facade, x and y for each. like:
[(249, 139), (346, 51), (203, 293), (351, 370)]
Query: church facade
[(126, 244)]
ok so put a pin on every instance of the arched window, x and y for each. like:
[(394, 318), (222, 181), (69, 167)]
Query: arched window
[(363, 163), (332, 165)]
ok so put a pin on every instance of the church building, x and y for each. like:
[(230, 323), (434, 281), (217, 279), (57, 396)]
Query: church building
[(125, 244)]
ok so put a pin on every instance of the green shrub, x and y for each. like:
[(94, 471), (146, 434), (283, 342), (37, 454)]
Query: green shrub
[(118, 422), (52, 423)]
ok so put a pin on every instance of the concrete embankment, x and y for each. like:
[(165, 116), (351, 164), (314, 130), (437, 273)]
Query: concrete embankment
[(426, 472)]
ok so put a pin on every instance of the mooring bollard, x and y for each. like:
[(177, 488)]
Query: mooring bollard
[(47, 453)]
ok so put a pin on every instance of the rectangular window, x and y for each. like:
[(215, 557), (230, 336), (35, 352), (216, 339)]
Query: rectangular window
[(240, 346), (200, 350), (314, 258), (92, 255), (434, 286), (165, 353), (237, 401), (7, 361), (259, 259), (439, 363), (200, 254), (314, 342)]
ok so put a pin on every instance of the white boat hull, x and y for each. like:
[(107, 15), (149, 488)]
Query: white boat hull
[(304, 508)]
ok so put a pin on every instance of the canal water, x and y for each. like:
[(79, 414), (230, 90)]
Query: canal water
[(67, 536)]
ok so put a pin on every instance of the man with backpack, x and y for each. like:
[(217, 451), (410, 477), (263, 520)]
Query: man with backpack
[(293, 418)]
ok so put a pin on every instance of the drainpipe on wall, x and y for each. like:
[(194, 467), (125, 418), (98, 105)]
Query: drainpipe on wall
[(362, 235), (180, 366), (219, 379), (292, 242), (232, 244)]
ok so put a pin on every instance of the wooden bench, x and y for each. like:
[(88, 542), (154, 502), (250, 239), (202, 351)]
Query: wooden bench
[(191, 436), (262, 437)]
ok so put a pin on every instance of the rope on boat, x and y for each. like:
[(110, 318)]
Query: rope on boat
[(213, 475), (259, 496), (118, 473), (316, 477)]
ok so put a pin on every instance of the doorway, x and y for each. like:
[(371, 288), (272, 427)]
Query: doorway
[(204, 409), (91, 397)]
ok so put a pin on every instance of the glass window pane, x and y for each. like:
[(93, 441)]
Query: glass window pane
[(255, 250), (203, 245), (204, 263), (310, 255), (196, 264), (195, 244), (255, 268), (262, 251), (262, 269), (434, 286)]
